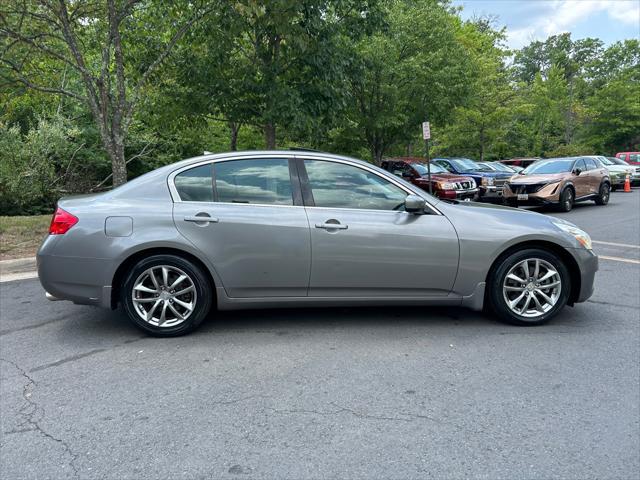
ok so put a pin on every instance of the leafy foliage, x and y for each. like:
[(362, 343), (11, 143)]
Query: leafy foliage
[(150, 82)]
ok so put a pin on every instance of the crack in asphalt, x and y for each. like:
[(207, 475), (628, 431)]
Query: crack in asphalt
[(621, 305), (79, 356), (29, 411), (31, 327), (408, 417)]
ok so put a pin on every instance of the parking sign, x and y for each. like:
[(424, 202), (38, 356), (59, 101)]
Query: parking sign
[(426, 131)]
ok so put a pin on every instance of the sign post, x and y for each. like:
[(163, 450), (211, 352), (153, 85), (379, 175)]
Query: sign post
[(426, 135)]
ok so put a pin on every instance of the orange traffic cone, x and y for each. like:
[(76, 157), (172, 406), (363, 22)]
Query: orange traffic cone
[(627, 184)]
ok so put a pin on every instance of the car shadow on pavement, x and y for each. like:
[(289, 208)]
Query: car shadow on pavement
[(106, 326)]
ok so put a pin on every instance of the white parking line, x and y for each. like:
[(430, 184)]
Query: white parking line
[(624, 245), (618, 259)]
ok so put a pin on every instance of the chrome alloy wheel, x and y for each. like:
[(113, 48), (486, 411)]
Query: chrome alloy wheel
[(532, 287), (164, 296)]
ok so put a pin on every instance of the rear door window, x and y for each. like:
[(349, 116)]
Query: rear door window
[(195, 185), (257, 181), (633, 157)]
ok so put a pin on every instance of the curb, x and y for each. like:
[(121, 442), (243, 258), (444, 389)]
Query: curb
[(18, 269)]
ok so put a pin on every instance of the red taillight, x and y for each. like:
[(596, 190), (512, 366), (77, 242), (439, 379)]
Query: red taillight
[(61, 222)]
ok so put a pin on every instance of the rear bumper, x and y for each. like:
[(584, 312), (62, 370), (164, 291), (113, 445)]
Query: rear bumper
[(80, 280)]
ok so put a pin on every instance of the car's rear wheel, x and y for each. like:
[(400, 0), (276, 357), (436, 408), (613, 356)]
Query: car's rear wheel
[(529, 287), (603, 194), (166, 295), (566, 200)]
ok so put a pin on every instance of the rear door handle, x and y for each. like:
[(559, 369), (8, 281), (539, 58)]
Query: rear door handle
[(332, 226), (205, 218)]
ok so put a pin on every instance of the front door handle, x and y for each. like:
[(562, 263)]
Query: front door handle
[(332, 226), (201, 218)]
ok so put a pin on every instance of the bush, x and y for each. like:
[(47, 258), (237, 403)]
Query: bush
[(36, 166)]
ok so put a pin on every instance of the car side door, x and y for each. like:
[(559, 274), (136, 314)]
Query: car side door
[(246, 215), (581, 181), (364, 244)]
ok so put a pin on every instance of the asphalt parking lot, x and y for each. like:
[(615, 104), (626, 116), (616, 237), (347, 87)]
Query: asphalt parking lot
[(337, 393)]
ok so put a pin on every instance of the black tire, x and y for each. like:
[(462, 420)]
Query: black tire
[(203, 298), (495, 296), (603, 194), (567, 199)]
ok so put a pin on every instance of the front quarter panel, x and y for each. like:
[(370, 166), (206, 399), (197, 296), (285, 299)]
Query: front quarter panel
[(485, 231)]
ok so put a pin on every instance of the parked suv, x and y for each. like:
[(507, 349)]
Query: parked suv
[(489, 181), (560, 182), (443, 183)]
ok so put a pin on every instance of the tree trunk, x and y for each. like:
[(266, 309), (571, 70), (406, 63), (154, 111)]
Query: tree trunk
[(233, 140), (482, 144), (409, 149), (118, 163), (270, 136)]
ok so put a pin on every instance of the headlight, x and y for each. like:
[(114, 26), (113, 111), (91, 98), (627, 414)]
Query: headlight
[(487, 180), (580, 235), (446, 186)]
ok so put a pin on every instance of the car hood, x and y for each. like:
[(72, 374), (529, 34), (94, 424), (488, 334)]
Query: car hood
[(445, 177), (619, 168), (544, 178), (488, 174)]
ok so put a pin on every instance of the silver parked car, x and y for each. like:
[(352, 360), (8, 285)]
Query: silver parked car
[(297, 228)]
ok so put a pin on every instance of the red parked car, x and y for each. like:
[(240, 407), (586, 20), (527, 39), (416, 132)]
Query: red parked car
[(444, 184), (632, 158), (522, 162)]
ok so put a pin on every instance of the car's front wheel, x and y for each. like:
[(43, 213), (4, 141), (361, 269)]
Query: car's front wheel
[(529, 287), (566, 200), (603, 194), (166, 295)]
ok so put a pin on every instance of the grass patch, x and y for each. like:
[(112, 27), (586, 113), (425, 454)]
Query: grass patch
[(21, 236)]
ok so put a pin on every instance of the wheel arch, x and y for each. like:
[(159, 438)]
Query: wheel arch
[(562, 253), (135, 257)]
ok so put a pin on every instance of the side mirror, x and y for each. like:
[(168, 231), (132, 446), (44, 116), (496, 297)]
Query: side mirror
[(577, 171), (414, 204), (407, 175)]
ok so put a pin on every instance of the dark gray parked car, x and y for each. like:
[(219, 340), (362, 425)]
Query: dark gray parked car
[(295, 228)]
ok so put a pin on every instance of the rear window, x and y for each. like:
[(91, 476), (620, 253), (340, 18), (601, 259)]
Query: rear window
[(194, 185)]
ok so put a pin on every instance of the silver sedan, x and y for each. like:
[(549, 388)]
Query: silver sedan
[(298, 228)]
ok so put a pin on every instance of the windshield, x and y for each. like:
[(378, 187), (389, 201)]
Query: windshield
[(501, 167), (466, 165), (435, 168), (615, 161), (549, 166), (605, 161)]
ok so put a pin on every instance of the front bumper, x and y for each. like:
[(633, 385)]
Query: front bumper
[(490, 192), (471, 194), (588, 265)]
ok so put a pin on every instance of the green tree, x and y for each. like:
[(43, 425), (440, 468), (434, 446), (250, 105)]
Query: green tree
[(413, 70), (96, 52)]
